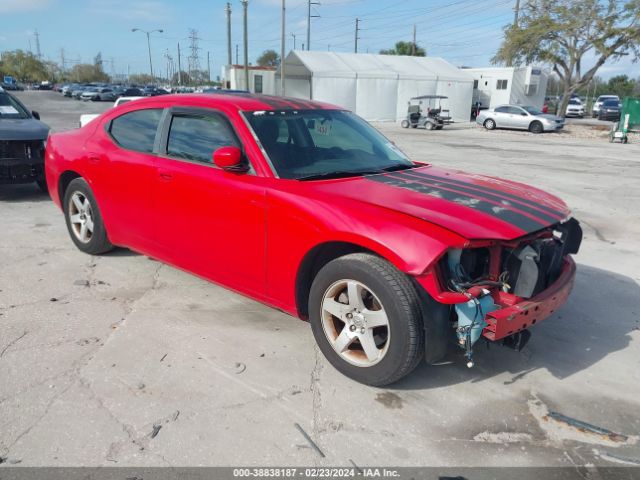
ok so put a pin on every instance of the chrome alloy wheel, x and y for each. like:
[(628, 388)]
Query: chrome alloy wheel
[(355, 323), (81, 217)]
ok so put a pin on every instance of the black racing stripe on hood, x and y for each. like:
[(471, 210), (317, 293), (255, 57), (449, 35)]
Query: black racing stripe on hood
[(481, 194), (491, 191), (512, 217)]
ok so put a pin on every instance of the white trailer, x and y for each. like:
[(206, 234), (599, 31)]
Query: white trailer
[(509, 85)]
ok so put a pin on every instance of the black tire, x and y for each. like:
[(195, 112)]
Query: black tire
[(536, 127), (99, 242), (42, 185), (401, 303), (489, 124)]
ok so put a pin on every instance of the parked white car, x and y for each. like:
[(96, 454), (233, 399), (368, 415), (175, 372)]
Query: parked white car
[(601, 99), (519, 117), (575, 108), (87, 117)]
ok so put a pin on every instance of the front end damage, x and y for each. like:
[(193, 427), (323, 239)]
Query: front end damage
[(498, 289)]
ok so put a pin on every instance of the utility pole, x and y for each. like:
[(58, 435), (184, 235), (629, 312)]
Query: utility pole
[(237, 57), (294, 40), (228, 12), (516, 13), (245, 4), (179, 66), (282, 47), (148, 44), (357, 36), (309, 17), (208, 67), (62, 60), (413, 45), (37, 35)]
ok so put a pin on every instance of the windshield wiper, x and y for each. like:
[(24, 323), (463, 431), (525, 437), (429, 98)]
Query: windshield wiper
[(395, 168), (339, 174)]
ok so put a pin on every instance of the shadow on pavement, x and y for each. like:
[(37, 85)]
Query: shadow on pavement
[(596, 321)]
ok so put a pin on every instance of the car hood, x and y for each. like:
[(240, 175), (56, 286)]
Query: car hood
[(23, 129), (473, 206)]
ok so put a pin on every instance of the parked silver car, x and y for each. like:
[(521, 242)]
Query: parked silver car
[(99, 94), (519, 117)]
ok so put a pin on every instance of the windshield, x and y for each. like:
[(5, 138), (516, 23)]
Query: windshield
[(532, 110), (11, 108), (304, 144), (610, 103)]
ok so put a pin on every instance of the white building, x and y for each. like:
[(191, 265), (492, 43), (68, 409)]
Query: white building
[(514, 85), (376, 87), (261, 79)]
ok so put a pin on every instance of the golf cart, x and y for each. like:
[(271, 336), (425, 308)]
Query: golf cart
[(434, 118)]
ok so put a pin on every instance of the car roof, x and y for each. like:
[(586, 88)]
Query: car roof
[(240, 101)]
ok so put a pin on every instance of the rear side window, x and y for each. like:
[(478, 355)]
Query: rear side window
[(195, 138), (136, 130)]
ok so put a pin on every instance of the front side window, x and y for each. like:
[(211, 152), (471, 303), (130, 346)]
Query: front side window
[(195, 138), (303, 144), (136, 130)]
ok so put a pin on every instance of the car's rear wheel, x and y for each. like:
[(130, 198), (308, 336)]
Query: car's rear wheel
[(366, 318), (536, 127), (84, 220), (404, 124), (489, 124)]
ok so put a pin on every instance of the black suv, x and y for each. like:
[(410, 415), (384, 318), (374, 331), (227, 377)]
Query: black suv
[(22, 140)]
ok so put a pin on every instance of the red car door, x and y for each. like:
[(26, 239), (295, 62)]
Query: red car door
[(122, 159), (207, 220)]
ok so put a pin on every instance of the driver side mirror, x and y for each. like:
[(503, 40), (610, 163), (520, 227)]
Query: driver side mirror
[(35, 115), (229, 159)]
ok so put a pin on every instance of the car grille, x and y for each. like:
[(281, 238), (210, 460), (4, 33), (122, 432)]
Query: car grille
[(28, 150)]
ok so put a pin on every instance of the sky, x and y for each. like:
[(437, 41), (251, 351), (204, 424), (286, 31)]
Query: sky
[(463, 32)]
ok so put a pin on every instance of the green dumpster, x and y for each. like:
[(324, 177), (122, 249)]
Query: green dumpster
[(629, 122)]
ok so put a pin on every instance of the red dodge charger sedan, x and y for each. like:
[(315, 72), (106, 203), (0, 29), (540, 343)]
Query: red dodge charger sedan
[(306, 207)]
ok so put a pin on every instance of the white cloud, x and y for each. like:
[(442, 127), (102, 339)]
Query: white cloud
[(15, 6)]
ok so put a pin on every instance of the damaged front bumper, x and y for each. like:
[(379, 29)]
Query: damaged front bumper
[(509, 320), (499, 289)]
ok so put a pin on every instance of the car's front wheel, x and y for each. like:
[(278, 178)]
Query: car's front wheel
[(489, 124), (405, 124), (84, 220), (366, 318), (536, 127)]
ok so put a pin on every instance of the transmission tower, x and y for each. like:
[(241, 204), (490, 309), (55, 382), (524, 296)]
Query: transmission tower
[(194, 58), (37, 35)]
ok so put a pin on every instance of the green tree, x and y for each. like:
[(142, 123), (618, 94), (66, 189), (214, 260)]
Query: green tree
[(144, 79), (406, 48), (24, 66), (183, 79), (269, 58), (562, 32), (621, 85)]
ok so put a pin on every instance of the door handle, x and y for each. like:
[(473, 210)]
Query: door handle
[(93, 158), (166, 176)]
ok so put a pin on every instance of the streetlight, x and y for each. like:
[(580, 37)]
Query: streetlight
[(148, 44)]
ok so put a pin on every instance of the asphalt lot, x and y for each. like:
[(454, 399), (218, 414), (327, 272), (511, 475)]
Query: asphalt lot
[(121, 360)]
